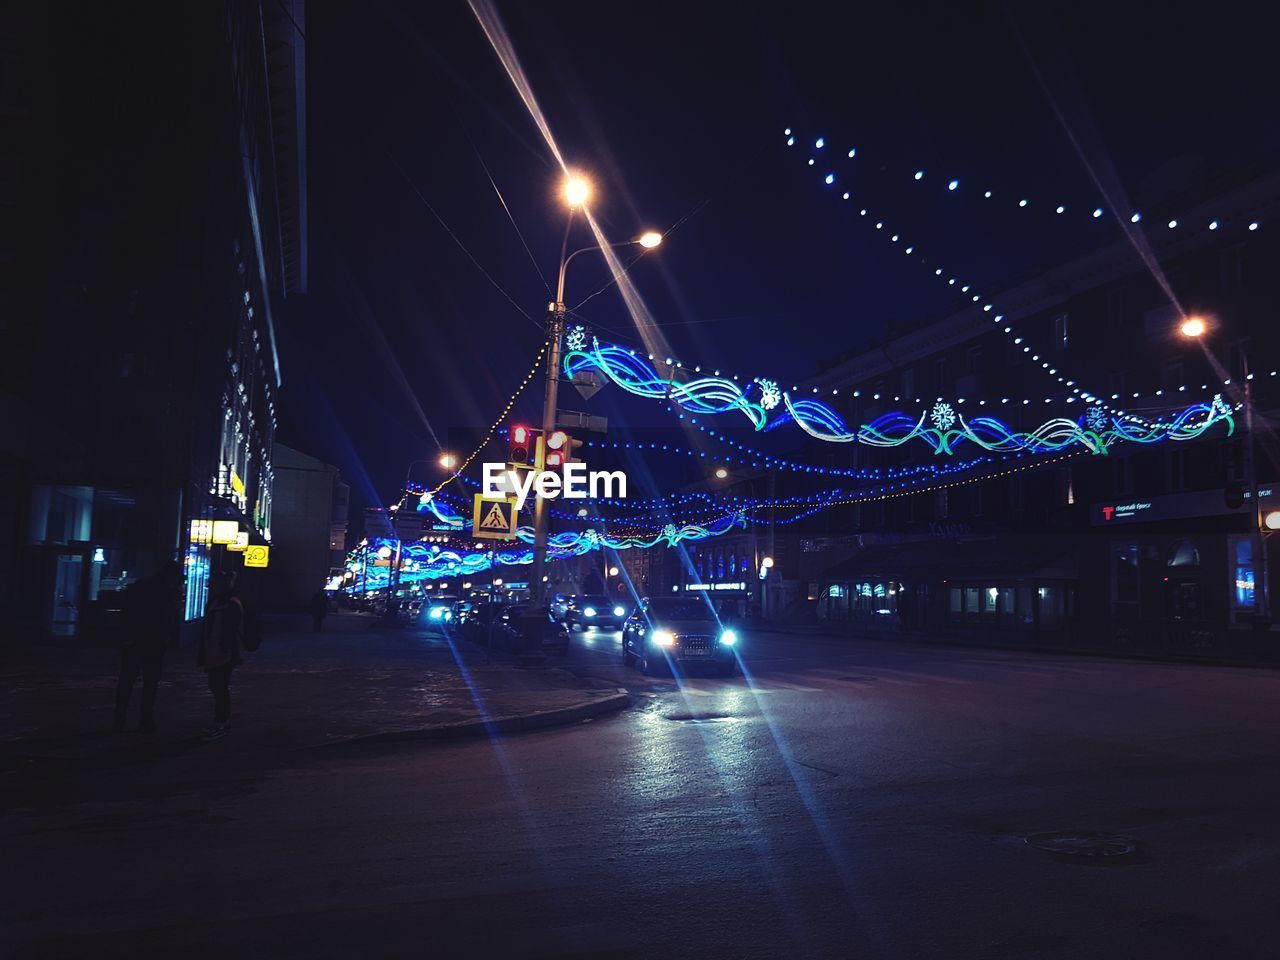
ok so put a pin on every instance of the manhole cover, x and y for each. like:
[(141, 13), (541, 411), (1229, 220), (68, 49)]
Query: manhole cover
[(699, 717), (1081, 843), (857, 679)]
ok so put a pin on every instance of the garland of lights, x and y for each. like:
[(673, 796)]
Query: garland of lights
[(1095, 430), (910, 249), (423, 560), (954, 185), (493, 429)]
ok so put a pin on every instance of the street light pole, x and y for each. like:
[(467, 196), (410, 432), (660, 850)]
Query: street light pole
[(1261, 589), (550, 398), (577, 192), (1194, 328)]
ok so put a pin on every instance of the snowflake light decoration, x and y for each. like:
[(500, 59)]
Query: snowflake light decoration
[(1095, 419), (591, 537), (770, 395), (943, 417), (1219, 407), (669, 531), (576, 338)]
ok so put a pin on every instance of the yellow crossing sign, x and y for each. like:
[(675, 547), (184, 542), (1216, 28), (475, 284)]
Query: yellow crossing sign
[(493, 518)]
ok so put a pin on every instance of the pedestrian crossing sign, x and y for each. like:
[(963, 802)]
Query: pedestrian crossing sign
[(493, 518)]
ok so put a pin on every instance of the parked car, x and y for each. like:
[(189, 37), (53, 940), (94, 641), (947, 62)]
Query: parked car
[(678, 632), (526, 627), (458, 612), (482, 622), (595, 611)]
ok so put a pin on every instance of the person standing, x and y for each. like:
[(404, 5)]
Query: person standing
[(221, 645), (319, 608), (151, 613)]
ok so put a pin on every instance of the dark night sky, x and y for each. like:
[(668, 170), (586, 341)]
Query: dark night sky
[(678, 109)]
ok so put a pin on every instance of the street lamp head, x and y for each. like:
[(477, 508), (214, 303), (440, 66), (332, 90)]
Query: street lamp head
[(650, 239), (767, 563), (1193, 327), (448, 461), (721, 473), (1272, 520), (577, 190), (613, 571)]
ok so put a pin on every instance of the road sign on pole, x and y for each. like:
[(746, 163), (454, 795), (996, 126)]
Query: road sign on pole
[(493, 518)]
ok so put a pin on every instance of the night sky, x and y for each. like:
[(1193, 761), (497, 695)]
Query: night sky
[(677, 110)]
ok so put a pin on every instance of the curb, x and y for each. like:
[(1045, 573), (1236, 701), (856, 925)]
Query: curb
[(499, 726)]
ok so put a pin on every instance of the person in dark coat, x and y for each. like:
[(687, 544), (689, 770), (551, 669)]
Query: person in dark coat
[(319, 608), (152, 610), (221, 647)]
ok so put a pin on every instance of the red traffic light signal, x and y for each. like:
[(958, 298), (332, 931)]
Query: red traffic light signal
[(521, 448), (560, 447)]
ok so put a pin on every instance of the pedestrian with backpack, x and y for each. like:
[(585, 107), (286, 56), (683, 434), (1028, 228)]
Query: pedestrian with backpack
[(221, 647)]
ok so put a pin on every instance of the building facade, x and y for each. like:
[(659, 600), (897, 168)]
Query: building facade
[(1148, 547), (158, 205), (309, 528)]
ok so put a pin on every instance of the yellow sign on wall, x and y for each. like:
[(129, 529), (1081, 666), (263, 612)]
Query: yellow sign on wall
[(493, 518), (201, 531), (241, 541), (224, 531), (256, 555)]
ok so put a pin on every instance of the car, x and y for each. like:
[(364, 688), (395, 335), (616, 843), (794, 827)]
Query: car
[(458, 612), (440, 610), (481, 623), (678, 632), (596, 611), (560, 605), (524, 627)]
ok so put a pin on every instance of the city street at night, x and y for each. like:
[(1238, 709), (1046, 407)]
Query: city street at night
[(853, 798), (493, 479)]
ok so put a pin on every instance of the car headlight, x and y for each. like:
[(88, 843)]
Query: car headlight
[(619, 611), (588, 611), (664, 638), (437, 613), (728, 638)]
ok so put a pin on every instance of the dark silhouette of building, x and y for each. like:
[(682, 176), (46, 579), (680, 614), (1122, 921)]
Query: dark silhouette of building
[(309, 528), (153, 190)]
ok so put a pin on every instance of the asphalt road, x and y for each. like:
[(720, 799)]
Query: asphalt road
[(845, 799)]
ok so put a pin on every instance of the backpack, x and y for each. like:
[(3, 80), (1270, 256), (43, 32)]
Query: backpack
[(252, 630)]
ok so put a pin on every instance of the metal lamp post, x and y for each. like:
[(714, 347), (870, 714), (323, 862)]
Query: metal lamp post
[(577, 191)]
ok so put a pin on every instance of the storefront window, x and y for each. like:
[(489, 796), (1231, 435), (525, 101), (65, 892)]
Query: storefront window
[(957, 606), (1126, 593), (1242, 594), (972, 601), (1052, 609)]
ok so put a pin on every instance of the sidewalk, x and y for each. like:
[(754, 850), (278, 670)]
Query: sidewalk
[(355, 681)]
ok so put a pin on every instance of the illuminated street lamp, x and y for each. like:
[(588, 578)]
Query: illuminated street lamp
[(721, 473), (577, 190), (650, 239), (1194, 328), (448, 461), (613, 571)]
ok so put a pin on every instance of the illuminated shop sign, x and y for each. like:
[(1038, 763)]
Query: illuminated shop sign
[(1177, 506), (716, 586)]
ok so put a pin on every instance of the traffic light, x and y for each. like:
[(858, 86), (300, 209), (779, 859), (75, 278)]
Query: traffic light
[(557, 451), (522, 446)]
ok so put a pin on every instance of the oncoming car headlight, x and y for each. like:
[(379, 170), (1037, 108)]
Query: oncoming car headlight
[(728, 638), (437, 613), (588, 611), (664, 638), (619, 611)]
